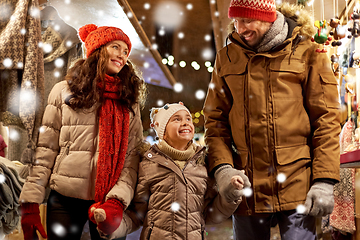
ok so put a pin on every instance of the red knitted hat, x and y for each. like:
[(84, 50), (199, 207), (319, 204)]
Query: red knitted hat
[(95, 37), (263, 10)]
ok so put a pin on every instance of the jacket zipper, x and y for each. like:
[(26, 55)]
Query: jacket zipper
[(150, 230), (271, 141), (202, 232), (63, 155)]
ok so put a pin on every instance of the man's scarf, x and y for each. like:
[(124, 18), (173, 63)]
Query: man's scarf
[(113, 139)]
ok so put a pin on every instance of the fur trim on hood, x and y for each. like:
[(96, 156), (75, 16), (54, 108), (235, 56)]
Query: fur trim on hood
[(297, 13)]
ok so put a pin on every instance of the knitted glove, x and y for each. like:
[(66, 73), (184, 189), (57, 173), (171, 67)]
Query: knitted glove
[(30, 221), (320, 199), (108, 215), (91, 211), (223, 177)]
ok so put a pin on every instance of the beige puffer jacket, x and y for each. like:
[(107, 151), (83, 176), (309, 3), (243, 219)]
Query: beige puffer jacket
[(173, 203), (67, 153)]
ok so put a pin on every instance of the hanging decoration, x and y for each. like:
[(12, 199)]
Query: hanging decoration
[(321, 36), (338, 32), (355, 30)]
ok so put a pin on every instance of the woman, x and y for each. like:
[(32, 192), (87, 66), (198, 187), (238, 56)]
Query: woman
[(86, 151)]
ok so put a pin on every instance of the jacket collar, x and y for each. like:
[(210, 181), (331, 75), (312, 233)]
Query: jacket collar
[(155, 155)]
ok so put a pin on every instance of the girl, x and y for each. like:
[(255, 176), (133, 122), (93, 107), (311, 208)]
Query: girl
[(174, 197), (86, 152)]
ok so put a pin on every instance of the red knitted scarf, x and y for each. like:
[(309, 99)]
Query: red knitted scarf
[(113, 139)]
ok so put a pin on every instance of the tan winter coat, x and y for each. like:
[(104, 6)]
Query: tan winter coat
[(274, 112), (173, 203), (67, 153)]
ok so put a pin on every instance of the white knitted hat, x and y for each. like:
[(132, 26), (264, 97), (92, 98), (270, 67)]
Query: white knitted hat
[(160, 116)]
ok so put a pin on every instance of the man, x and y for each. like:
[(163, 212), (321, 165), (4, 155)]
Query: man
[(272, 111)]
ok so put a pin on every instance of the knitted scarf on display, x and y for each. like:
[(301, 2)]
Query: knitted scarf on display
[(113, 139)]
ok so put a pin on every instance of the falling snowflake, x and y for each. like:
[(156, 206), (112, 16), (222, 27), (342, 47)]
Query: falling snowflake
[(189, 6), (67, 1), (146, 65), (7, 63), (14, 135), (59, 63), (247, 192), (23, 31), (47, 48), (56, 74), (181, 35), (20, 65), (129, 14), (207, 37), (2, 178), (162, 32), (200, 94), (178, 87), (42, 129), (147, 6), (211, 86), (59, 229), (34, 12), (300, 209), (28, 84), (175, 206), (281, 177), (207, 53), (160, 102), (168, 14), (155, 46)]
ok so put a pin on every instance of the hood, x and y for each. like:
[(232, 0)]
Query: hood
[(297, 13)]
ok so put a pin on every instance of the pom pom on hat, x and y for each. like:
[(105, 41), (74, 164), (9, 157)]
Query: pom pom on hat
[(84, 31), (263, 10), (94, 37), (160, 116)]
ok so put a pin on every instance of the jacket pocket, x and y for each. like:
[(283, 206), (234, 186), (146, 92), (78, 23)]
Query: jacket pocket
[(63, 153), (286, 79), (330, 90), (150, 231), (291, 154)]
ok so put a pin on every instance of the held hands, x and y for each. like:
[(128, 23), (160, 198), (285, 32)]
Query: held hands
[(31, 222), (320, 199), (107, 216), (231, 182)]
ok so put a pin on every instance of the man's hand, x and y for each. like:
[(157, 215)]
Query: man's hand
[(320, 199), (231, 182)]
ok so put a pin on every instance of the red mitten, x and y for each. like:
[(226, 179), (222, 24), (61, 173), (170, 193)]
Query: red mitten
[(109, 215), (91, 211), (30, 221)]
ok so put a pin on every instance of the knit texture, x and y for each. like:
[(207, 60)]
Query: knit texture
[(109, 216), (94, 37), (160, 116), (178, 156), (113, 139), (263, 10), (31, 221)]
